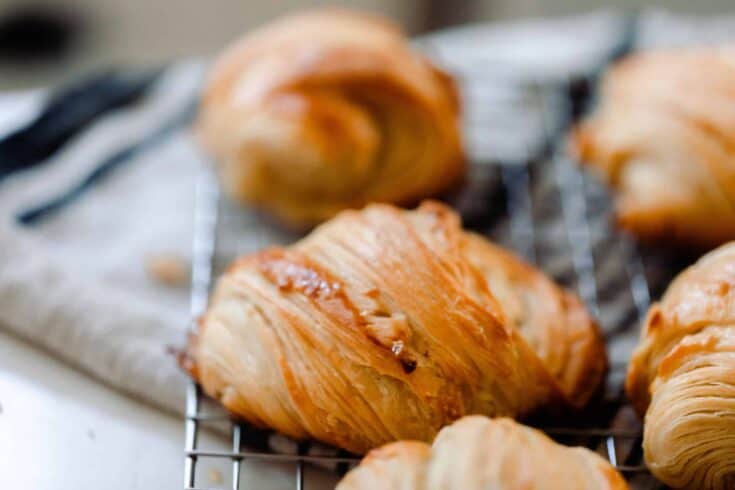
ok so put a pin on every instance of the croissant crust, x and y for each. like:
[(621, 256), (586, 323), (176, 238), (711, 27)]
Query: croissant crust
[(477, 453), (682, 377), (662, 137), (381, 325), (326, 110)]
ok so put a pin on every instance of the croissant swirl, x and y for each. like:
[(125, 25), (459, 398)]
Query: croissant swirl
[(378, 327), (477, 453), (682, 376), (327, 110), (663, 138)]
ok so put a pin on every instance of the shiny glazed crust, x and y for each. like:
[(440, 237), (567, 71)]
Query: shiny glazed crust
[(663, 138), (379, 327), (326, 110), (477, 453), (682, 377)]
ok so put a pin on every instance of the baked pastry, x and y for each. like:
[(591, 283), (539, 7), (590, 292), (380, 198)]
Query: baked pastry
[(378, 327), (662, 137), (682, 376), (326, 110), (552, 320), (477, 453)]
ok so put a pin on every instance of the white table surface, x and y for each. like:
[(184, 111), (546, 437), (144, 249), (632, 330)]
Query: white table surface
[(59, 429)]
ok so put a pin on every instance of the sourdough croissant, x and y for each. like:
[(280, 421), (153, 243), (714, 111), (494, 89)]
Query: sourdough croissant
[(664, 138), (682, 377), (477, 453), (327, 110), (378, 326)]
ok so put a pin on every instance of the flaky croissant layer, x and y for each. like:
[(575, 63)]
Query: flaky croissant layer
[(682, 376), (382, 325), (326, 110), (664, 138), (477, 453)]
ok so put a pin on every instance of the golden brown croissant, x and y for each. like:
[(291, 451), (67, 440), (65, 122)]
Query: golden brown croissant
[(682, 376), (664, 138), (551, 319), (378, 326), (327, 110), (477, 453)]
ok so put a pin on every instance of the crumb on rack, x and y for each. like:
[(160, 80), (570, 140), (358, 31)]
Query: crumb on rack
[(215, 476), (167, 269)]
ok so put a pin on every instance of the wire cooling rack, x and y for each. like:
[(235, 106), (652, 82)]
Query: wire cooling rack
[(554, 216)]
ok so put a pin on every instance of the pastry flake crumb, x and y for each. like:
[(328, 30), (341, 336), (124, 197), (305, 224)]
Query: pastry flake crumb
[(215, 476), (167, 269)]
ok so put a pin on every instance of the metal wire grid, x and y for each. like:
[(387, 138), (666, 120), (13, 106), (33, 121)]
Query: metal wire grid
[(516, 179)]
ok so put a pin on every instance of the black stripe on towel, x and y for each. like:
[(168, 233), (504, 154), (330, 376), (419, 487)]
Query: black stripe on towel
[(108, 166), (67, 113)]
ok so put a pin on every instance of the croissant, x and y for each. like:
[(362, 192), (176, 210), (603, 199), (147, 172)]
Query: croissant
[(552, 320), (662, 137), (682, 376), (477, 453), (379, 326), (327, 110)]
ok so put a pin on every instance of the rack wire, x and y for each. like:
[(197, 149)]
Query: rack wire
[(572, 208)]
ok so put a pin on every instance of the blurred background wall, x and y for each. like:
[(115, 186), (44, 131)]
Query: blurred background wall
[(48, 41)]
